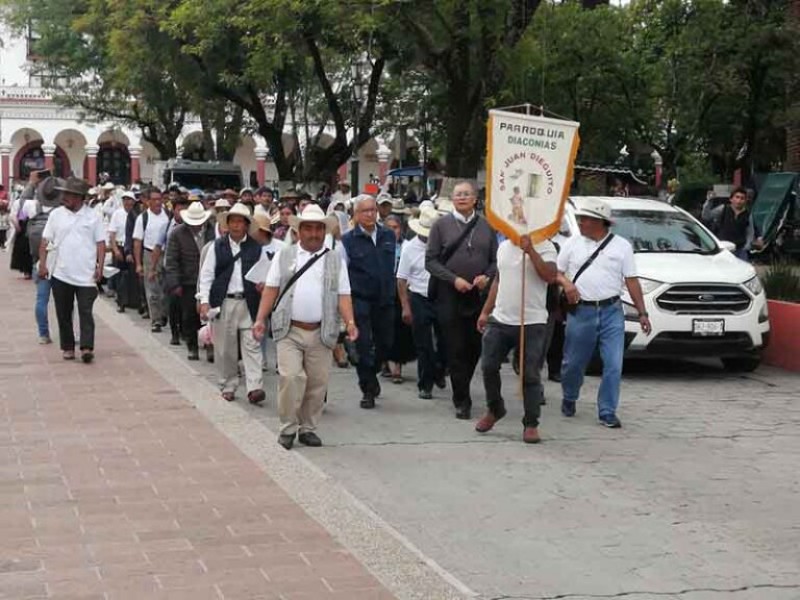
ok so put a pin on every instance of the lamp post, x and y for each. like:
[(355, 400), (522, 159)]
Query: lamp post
[(425, 133), (356, 71)]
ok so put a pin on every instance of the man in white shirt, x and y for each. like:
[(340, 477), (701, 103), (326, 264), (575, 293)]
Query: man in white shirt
[(71, 254), (223, 286), (595, 318), (418, 310), (149, 241), (305, 306), (500, 322), (116, 240)]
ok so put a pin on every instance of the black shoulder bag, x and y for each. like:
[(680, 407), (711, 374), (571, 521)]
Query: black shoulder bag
[(299, 274), (564, 304), (433, 283)]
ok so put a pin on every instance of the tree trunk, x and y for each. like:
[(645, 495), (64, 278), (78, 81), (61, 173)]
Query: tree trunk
[(792, 162), (466, 139)]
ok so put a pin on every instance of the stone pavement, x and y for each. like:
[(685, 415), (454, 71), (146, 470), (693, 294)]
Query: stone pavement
[(113, 485)]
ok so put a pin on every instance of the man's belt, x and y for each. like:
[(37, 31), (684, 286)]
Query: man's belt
[(306, 326), (236, 296), (599, 303)]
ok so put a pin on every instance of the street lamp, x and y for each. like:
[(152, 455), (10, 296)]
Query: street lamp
[(356, 73), (425, 133)]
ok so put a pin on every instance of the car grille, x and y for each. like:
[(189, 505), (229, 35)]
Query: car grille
[(701, 299)]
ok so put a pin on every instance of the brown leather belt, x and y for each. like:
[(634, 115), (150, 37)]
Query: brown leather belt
[(306, 326)]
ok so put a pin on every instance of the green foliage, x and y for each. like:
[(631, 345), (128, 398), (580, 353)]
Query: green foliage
[(782, 282)]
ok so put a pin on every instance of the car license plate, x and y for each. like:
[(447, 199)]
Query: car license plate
[(708, 327)]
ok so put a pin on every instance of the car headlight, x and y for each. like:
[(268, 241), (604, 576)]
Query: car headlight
[(754, 286), (649, 285)]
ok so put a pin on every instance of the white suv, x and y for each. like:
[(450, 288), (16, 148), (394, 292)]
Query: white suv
[(702, 300)]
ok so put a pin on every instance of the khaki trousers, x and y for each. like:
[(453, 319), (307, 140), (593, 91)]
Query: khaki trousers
[(154, 290), (234, 324), (304, 364)]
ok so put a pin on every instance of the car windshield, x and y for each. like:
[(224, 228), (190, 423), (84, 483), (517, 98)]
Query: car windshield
[(663, 231)]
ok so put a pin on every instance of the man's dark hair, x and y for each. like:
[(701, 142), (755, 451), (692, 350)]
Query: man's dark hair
[(738, 190)]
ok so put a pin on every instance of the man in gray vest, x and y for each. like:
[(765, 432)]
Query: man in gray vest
[(306, 290)]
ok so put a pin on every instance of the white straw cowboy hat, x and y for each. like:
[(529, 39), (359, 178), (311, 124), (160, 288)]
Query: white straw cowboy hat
[(195, 215), (313, 214), (422, 225), (108, 186), (129, 195), (595, 209), (444, 206), (222, 203), (261, 222), (399, 207), (239, 210)]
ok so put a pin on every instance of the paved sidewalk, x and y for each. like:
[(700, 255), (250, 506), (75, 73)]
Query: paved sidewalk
[(112, 485)]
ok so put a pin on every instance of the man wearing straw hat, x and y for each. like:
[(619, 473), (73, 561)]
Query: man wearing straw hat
[(517, 299), (72, 252), (418, 310), (183, 268), (307, 290), (224, 287)]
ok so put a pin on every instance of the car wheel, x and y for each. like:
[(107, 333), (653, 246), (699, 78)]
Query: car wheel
[(741, 364)]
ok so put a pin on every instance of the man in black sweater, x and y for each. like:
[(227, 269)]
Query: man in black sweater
[(462, 260)]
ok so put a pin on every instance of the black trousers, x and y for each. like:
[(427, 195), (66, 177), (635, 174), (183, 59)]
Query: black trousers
[(375, 324), (463, 341), (431, 356), (190, 318), (64, 297), (175, 316)]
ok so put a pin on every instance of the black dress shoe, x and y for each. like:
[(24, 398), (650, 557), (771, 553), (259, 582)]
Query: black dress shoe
[(555, 377), (287, 441), (464, 413), (120, 309), (368, 401), (309, 438), (175, 340), (156, 328), (440, 382), (425, 395), (193, 355)]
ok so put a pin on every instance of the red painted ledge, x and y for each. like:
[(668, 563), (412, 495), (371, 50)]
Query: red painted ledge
[(784, 342)]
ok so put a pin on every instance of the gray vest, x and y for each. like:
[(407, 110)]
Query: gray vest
[(281, 318)]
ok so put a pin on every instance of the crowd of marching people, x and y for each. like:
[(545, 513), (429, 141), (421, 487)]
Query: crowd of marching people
[(339, 280)]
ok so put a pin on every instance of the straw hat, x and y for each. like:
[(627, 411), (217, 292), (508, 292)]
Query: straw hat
[(129, 196), (261, 222), (47, 193), (222, 203), (422, 225), (108, 186), (399, 207), (594, 208), (73, 185), (195, 215), (313, 214), (239, 210), (231, 193), (444, 206)]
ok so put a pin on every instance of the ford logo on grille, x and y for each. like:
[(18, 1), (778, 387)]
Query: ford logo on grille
[(706, 297)]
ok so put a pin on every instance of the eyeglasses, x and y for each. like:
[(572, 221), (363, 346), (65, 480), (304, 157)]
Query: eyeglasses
[(367, 210), (464, 195)]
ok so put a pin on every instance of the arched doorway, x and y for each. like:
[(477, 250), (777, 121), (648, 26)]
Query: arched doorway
[(31, 158), (114, 159)]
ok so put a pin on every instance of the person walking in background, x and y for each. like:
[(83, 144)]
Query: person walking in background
[(72, 252), (733, 222), (592, 269), (461, 258), (183, 269), (149, 239), (418, 310), (117, 229), (306, 291), (402, 349), (174, 311), (500, 325), (369, 251)]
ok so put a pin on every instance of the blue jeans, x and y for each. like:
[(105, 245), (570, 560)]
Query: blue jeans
[(42, 300), (589, 328)]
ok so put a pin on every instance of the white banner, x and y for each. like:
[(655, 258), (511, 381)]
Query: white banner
[(529, 172)]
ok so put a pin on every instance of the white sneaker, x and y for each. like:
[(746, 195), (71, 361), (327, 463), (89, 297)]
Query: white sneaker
[(44, 340)]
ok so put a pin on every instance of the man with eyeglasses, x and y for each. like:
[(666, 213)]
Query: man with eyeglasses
[(462, 260), (369, 251)]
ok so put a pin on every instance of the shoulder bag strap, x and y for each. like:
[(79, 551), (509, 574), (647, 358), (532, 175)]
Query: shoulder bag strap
[(298, 274), (592, 258), (451, 249)]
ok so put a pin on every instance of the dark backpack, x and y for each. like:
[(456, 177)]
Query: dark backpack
[(35, 230)]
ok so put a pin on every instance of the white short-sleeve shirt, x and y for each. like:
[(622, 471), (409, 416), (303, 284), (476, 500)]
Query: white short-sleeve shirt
[(412, 266), (156, 232), (117, 224), (307, 299), (75, 235), (605, 277), (509, 292)]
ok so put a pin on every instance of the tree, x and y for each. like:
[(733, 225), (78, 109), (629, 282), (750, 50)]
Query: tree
[(464, 48)]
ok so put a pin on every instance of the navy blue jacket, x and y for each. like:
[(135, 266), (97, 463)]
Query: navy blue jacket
[(251, 254), (371, 266)]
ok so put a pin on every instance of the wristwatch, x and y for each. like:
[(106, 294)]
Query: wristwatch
[(644, 314)]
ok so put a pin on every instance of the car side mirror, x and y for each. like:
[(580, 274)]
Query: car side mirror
[(729, 246)]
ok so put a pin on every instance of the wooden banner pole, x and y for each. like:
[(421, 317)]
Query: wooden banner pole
[(522, 333)]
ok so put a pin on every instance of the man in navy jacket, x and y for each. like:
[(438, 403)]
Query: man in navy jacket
[(369, 250)]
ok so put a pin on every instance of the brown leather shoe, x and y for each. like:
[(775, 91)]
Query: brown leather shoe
[(256, 396), (531, 435), (486, 423)]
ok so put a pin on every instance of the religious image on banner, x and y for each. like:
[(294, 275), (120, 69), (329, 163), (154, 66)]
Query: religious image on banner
[(529, 172)]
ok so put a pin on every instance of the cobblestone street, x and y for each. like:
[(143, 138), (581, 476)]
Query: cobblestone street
[(112, 483)]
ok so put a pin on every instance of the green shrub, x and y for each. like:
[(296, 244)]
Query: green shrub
[(782, 282)]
